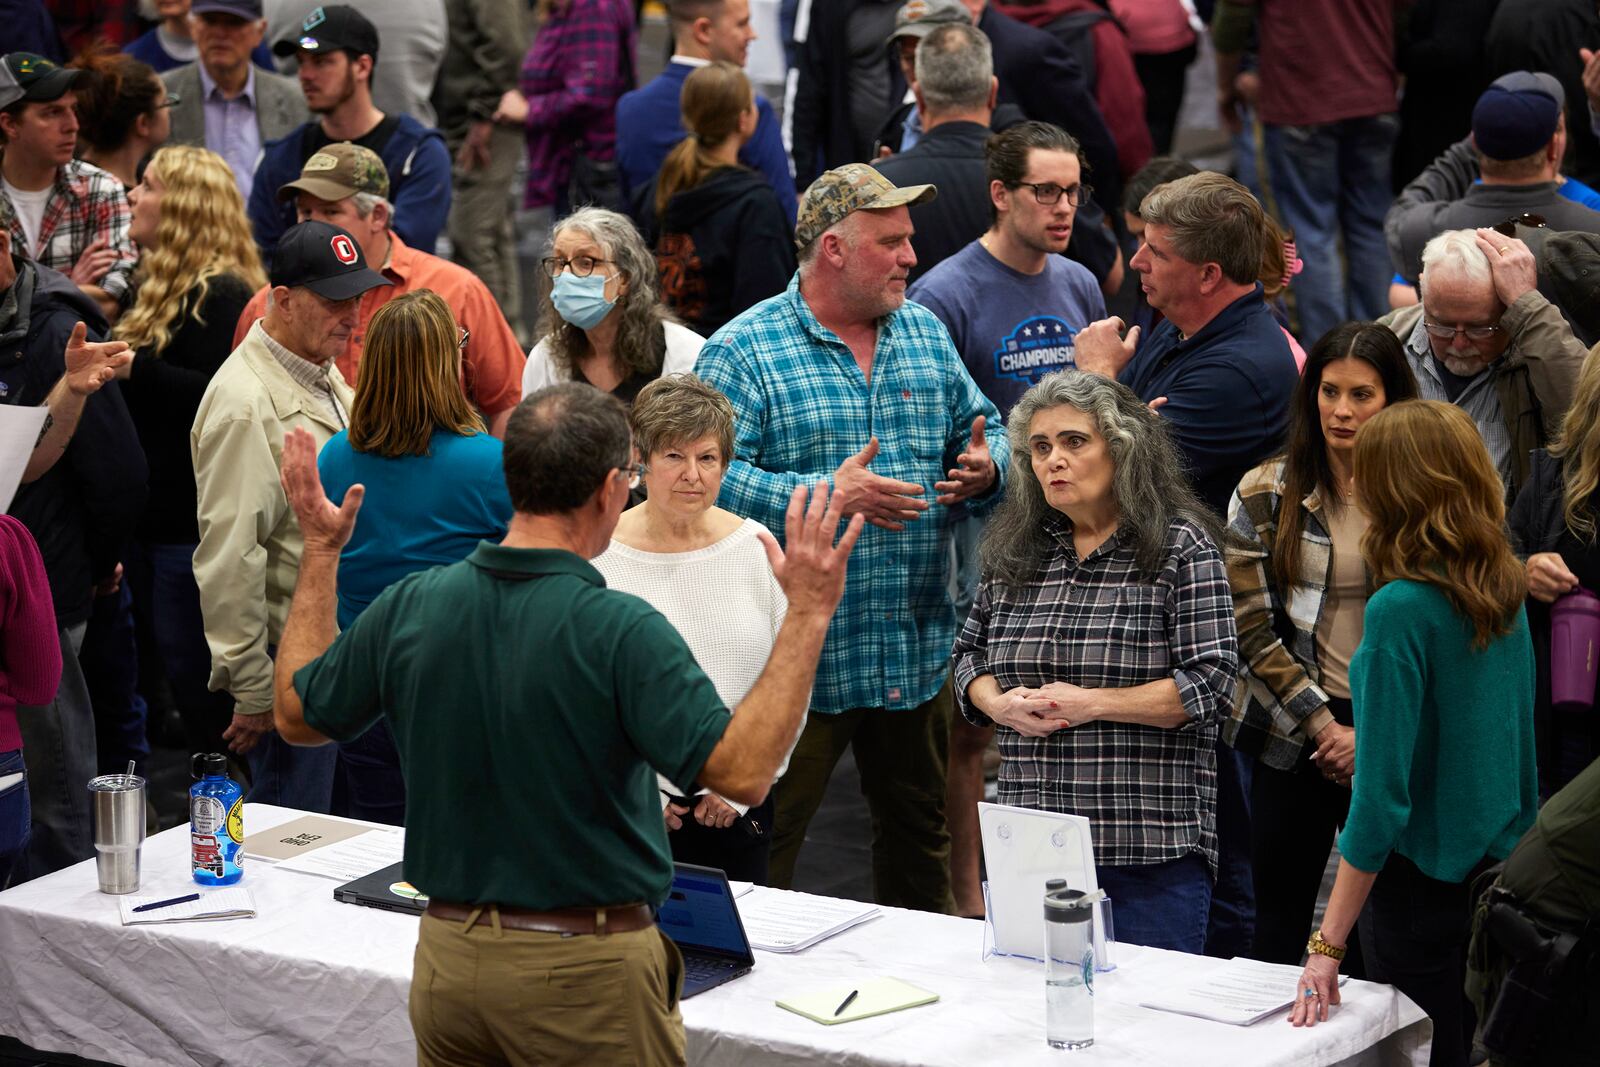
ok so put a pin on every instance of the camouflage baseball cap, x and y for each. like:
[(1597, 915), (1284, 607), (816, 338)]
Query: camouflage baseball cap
[(852, 187), (338, 171), (918, 18)]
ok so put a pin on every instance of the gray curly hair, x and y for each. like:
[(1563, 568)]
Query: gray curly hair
[(1149, 482), (641, 343)]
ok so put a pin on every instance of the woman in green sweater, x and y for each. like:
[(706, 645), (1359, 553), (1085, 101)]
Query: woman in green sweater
[(1443, 691)]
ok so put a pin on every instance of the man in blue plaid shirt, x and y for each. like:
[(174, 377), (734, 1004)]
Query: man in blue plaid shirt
[(839, 378)]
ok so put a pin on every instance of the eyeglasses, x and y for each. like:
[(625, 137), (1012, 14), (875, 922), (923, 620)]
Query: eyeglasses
[(1473, 333), (172, 100), (466, 334), (581, 266), (635, 473), (1508, 228), (1048, 193)]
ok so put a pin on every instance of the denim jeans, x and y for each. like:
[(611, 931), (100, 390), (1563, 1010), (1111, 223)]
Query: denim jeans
[(1331, 186), (14, 813), (962, 566), (1232, 923), (59, 751), (292, 776), (375, 788), (110, 662), (1162, 905), (165, 587)]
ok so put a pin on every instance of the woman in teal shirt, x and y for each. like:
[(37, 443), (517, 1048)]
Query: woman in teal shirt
[(435, 488), (1443, 691)]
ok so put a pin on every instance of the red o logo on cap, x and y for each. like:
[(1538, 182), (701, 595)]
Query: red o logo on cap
[(344, 249)]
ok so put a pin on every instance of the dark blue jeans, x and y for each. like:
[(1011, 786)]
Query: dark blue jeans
[(375, 790), (59, 750), (1331, 186), (165, 587), (15, 817), (1162, 905), (1231, 926), (110, 662)]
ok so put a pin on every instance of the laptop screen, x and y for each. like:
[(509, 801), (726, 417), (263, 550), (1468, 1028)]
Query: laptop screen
[(699, 913)]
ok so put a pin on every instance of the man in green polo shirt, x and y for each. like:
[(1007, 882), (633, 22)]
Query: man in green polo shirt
[(532, 708)]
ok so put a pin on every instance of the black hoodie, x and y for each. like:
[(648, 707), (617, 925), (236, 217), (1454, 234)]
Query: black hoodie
[(723, 247)]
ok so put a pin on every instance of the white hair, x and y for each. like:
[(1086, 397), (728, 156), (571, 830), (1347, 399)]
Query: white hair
[(1455, 254), (365, 202)]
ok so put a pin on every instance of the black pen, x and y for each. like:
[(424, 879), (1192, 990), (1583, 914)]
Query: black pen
[(847, 1001), (167, 903)]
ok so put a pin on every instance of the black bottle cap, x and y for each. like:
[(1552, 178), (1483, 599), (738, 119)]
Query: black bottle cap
[(209, 763)]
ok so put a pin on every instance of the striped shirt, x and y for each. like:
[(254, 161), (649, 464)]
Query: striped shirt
[(1150, 793), (312, 376), (803, 407)]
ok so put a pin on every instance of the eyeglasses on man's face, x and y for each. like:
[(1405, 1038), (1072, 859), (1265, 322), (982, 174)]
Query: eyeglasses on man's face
[(581, 266), (1473, 333), (1048, 193), (635, 473)]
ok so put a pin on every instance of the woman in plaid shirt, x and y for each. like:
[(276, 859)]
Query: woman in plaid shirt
[(1299, 590), (1102, 645)]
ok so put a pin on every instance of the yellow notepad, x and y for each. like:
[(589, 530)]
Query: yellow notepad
[(875, 996)]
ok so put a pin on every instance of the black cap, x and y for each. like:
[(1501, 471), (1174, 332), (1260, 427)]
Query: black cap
[(331, 29), (204, 763), (25, 76), (325, 259)]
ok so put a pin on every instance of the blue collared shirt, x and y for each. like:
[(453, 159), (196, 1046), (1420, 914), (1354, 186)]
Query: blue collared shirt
[(804, 407), (232, 130)]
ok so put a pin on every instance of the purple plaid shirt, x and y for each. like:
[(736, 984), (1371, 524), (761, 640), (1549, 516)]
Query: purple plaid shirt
[(578, 67), (85, 205)]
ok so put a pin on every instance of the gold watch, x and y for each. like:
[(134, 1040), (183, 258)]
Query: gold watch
[(1320, 947)]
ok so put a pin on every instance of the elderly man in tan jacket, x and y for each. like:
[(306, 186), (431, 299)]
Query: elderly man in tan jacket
[(280, 377)]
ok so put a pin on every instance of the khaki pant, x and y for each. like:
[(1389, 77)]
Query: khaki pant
[(488, 995), (481, 237), (901, 756)]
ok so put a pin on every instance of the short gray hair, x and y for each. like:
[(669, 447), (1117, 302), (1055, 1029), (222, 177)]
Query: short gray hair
[(365, 202), (1455, 254), (1149, 483), (1211, 219), (955, 68)]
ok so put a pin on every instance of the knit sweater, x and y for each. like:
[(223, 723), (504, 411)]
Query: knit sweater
[(30, 647), (1444, 737)]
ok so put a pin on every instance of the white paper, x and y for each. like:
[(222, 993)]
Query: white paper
[(352, 858), (739, 888), (784, 922), (234, 902), (19, 432), (1239, 992)]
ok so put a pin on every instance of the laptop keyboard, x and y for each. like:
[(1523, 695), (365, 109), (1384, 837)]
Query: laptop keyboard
[(701, 968)]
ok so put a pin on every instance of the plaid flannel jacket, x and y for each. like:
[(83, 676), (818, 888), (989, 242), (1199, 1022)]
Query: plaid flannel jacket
[(85, 205), (1100, 623), (1279, 691), (803, 407)]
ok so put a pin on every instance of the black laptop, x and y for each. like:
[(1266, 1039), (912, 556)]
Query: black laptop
[(702, 920), (386, 889)]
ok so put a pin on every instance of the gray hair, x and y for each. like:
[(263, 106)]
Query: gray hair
[(1148, 480), (1455, 254), (955, 68), (562, 442), (641, 340), (365, 202), (1211, 219), (844, 229)]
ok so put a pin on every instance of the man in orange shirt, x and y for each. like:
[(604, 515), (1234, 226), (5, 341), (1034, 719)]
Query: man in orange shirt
[(346, 185)]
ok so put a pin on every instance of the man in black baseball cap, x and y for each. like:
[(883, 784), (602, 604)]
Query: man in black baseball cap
[(337, 47), (280, 378), (27, 77)]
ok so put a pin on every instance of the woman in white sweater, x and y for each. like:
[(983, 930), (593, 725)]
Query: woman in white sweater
[(705, 570)]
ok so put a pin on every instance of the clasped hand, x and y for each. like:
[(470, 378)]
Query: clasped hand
[(1041, 712)]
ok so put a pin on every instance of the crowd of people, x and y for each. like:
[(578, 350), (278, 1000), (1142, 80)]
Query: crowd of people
[(946, 411)]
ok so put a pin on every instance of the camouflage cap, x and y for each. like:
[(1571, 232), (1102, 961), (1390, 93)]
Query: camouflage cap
[(918, 18), (338, 171), (852, 187)]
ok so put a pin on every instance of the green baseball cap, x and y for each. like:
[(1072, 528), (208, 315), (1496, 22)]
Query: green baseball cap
[(852, 187), (338, 171)]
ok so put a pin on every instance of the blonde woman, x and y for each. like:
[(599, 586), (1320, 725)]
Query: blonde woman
[(720, 235), (1554, 523), (1442, 687), (434, 485), (197, 269)]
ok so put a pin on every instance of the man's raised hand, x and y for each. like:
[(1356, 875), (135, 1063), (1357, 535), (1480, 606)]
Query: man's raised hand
[(974, 471), (325, 527), (881, 501)]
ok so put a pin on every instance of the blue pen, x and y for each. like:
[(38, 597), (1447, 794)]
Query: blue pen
[(167, 903)]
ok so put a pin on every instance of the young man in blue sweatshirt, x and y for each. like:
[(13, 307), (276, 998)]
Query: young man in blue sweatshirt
[(337, 48), (650, 122)]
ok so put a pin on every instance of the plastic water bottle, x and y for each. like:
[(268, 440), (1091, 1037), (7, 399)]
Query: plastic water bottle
[(216, 822), (1068, 966)]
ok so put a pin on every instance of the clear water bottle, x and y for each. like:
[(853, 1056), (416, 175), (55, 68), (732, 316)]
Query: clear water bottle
[(1068, 966)]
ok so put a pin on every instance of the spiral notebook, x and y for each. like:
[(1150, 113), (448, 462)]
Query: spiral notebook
[(234, 902)]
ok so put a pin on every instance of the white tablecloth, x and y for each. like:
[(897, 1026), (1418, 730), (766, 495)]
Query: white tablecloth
[(314, 981)]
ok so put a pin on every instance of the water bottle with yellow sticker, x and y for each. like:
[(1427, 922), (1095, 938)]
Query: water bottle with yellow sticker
[(216, 822)]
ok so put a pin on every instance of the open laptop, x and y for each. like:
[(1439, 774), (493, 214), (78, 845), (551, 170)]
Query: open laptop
[(702, 920), (386, 889)]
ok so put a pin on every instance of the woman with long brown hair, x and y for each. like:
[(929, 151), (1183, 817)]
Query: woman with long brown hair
[(1443, 692), (434, 485), (720, 235)]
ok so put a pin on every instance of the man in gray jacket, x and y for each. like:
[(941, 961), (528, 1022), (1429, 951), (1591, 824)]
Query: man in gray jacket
[(225, 103)]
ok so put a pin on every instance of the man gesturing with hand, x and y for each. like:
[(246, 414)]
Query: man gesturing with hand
[(840, 379)]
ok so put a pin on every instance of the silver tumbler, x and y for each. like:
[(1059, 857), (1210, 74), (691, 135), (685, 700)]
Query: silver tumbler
[(118, 801)]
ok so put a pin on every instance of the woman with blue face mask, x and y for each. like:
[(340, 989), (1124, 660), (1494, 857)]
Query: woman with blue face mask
[(603, 321)]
